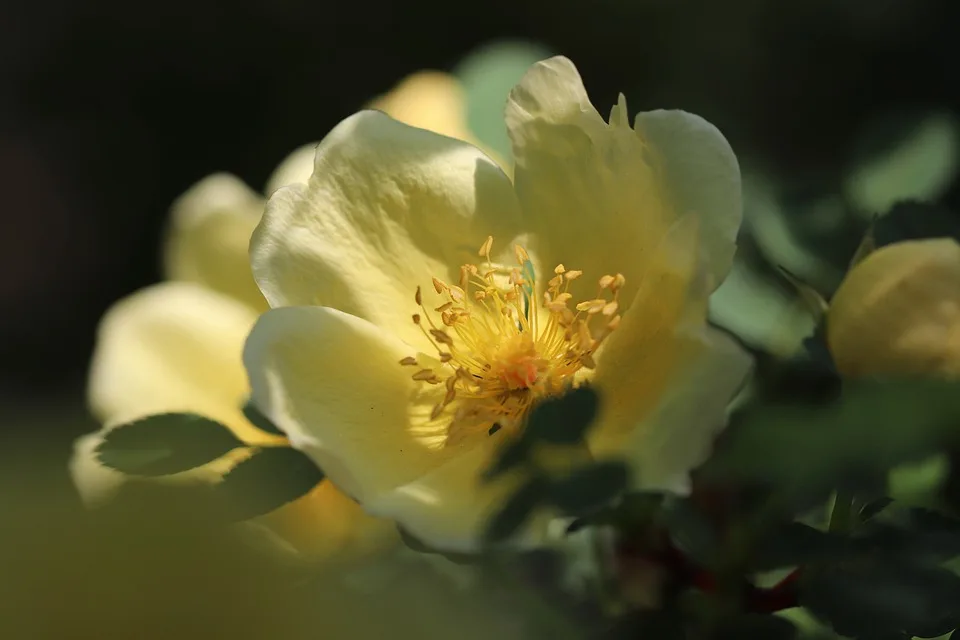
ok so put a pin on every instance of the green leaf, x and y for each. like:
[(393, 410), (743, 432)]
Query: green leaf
[(873, 507), (912, 220), (516, 511), (807, 378), (756, 626), (590, 487), (636, 512), (267, 480), (913, 533), (814, 300), (872, 598), (165, 444), (692, 533), (509, 456), (904, 155), (564, 419), (872, 426), (260, 421), (867, 245), (657, 625), (796, 544)]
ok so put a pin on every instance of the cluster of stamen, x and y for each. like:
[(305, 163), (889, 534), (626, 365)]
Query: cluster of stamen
[(500, 348)]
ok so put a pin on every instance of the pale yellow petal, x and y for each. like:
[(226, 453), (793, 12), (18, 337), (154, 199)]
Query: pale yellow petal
[(665, 378), (550, 92), (171, 347), (898, 311), (602, 196), (209, 237), (450, 507), (702, 177), (387, 208), (333, 383), (295, 168), (588, 190), (641, 359), (680, 433)]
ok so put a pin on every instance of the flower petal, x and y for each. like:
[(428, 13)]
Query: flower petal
[(898, 311), (387, 208), (333, 383), (680, 434), (664, 377), (171, 347), (449, 507), (603, 196), (295, 168), (209, 237), (702, 177)]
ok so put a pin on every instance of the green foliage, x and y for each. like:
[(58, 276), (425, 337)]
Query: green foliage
[(913, 220), (863, 597), (563, 420), (589, 487), (871, 426), (260, 421), (516, 511), (267, 480), (165, 444), (558, 424), (755, 625)]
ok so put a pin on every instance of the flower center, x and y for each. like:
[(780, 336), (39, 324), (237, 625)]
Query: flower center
[(501, 348)]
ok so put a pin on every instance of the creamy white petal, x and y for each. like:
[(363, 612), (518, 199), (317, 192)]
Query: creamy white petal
[(387, 208), (639, 361), (680, 434), (702, 176), (602, 196), (208, 238), (551, 91), (333, 383), (295, 168), (450, 507), (171, 347)]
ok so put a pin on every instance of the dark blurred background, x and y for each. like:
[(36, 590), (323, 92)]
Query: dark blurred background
[(111, 109)]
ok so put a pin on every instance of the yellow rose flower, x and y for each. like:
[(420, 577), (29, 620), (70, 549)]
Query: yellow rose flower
[(177, 345), (898, 311), (390, 364)]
